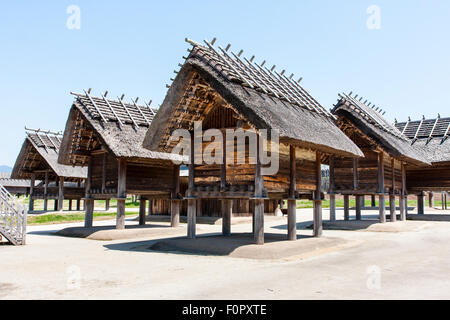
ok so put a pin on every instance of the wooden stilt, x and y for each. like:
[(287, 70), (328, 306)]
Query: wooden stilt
[(373, 203), (346, 208), (31, 200), (61, 194), (107, 204), (332, 207), (392, 208), (292, 203), (382, 208), (402, 208), (78, 204), (420, 203), (55, 206), (403, 193), (70, 204), (89, 217), (318, 227), (175, 204), (358, 207), (142, 203), (121, 194), (227, 208), (46, 192), (191, 218), (258, 217), (431, 199), (445, 200)]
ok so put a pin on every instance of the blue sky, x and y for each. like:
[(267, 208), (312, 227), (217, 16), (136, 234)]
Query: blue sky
[(132, 47)]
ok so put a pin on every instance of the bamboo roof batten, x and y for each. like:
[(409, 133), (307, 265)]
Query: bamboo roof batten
[(95, 106), (256, 76), (112, 110), (140, 111), (127, 111)]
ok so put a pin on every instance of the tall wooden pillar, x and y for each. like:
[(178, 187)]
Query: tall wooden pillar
[(142, 202), (31, 200), (258, 216), (61, 194), (420, 203), (175, 205), (121, 193), (358, 203), (318, 228), (380, 188), (403, 192), (46, 192), (331, 191), (431, 199), (55, 205), (150, 207), (78, 204), (445, 197), (292, 203), (107, 204), (346, 207), (192, 202), (227, 211), (382, 208), (88, 202), (70, 204), (392, 195), (372, 201)]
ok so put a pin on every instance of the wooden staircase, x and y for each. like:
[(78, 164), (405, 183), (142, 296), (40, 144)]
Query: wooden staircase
[(13, 218)]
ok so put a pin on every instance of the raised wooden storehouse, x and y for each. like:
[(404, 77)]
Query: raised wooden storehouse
[(38, 160), (224, 91), (432, 138), (106, 136), (387, 155), (15, 186)]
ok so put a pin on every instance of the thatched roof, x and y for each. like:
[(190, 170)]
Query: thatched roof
[(265, 98), (116, 126), (375, 126), (431, 136), (39, 153)]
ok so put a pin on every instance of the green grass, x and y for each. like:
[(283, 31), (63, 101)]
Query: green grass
[(70, 217), (39, 204)]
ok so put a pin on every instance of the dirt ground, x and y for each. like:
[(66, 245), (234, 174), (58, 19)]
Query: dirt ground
[(408, 261)]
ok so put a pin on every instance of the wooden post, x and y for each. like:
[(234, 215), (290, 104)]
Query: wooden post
[(442, 200), (403, 192), (175, 205), (121, 193), (292, 203), (46, 192), (55, 206), (382, 208), (31, 200), (420, 203), (318, 228), (346, 207), (88, 202), (150, 207), (107, 204), (381, 172), (227, 211), (392, 195), (78, 204), (373, 203), (445, 197), (142, 202), (70, 204), (332, 207), (355, 173), (331, 190), (358, 207), (192, 202), (431, 199), (61, 194), (258, 217)]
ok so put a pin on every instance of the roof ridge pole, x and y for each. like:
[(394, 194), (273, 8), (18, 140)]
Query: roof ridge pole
[(112, 109), (139, 109), (95, 106), (128, 112)]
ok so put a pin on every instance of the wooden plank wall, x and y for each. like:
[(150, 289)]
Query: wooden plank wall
[(434, 178)]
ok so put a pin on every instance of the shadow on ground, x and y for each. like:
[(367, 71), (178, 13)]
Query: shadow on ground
[(240, 245)]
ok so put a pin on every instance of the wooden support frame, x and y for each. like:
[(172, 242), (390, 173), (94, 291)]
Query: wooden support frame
[(121, 193), (382, 208), (318, 228), (346, 207), (292, 203), (31, 200), (358, 206), (331, 190), (175, 203), (403, 193), (46, 192), (61, 194), (142, 204), (392, 207), (421, 203), (380, 188), (227, 212), (258, 216), (192, 202), (88, 202)]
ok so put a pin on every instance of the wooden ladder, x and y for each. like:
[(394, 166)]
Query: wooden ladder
[(13, 218)]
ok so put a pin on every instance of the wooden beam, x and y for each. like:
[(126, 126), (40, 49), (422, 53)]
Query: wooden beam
[(104, 172), (61, 194), (121, 193), (346, 207), (318, 228), (292, 203), (31, 200), (175, 204), (227, 211), (332, 207), (358, 207), (46, 191), (142, 203), (420, 203), (382, 208), (191, 218), (332, 175), (403, 202), (258, 217), (380, 172), (88, 202), (355, 173), (392, 208)]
